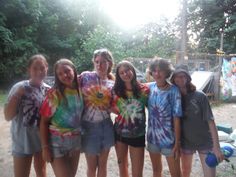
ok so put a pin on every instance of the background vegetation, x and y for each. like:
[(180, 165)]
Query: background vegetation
[(74, 29)]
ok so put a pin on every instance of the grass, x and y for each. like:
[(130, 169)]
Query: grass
[(3, 97)]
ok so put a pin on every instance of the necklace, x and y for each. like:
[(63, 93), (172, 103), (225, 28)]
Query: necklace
[(163, 87), (99, 92)]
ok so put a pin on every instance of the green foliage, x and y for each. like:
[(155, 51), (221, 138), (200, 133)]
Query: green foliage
[(207, 18), (3, 97), (70, 29)]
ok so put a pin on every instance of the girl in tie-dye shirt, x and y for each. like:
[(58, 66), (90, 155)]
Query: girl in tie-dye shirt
[(22, 108), (130, 98), (164, 112), (98, 134), (60, 126)]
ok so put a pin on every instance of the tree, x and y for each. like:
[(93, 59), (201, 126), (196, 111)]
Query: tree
[(205, 20)]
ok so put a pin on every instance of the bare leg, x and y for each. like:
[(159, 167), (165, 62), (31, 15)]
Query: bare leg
[(137, 160), (122, 158), (73, 161), (102, 163), (39, 165), (60, 167), (186, 164), (174, 166), (92, 164), (156, 164), (22, 166)]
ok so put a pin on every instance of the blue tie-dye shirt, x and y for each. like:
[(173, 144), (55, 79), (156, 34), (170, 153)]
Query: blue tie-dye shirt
[(163, 107)]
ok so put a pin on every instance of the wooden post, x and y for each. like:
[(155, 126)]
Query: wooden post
[(218, 74), (183, 32)]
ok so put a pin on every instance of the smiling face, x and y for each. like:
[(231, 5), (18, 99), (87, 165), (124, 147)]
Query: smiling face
[(65, 74), (38, 70), (126, 74), (159, 75)]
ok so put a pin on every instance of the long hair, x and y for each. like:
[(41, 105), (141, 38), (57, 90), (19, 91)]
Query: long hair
[(58, 85), (106, 54), (119, 86), (189, 85)]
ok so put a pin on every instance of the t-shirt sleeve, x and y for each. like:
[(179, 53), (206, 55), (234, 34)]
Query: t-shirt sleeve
[(176, 103), (206, 108), (145, 93), (50, 104), (14, 89)]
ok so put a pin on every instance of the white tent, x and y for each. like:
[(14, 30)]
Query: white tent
[(201, 78)]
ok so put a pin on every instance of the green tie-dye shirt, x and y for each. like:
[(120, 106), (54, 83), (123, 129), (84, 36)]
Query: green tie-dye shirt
[(66, 113)]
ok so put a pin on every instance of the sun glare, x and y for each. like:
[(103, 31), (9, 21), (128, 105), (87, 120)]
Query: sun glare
[(132, 13)]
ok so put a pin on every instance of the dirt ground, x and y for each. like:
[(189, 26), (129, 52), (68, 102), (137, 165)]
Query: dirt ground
[(224, 114)]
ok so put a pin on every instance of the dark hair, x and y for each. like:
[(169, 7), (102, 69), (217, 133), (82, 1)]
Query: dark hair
[(162, 64), (119, 86), (106, 54), (189, 85), (35, 57), (57, 84)]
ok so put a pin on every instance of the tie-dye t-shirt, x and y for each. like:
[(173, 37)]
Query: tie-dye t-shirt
[(64, 114), (97, 96), (30, 102), (163, 106), (25, 125), (131, 120)]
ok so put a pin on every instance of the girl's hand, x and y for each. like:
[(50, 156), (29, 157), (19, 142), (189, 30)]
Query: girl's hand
[(219, 155), (176, 150), (47, 155)]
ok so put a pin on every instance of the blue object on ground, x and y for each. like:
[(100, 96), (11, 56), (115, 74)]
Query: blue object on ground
[(211, 159)]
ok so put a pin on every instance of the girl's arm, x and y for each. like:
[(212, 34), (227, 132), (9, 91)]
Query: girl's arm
[(11, 107), (44, 136), (215, 139), (177, 137)]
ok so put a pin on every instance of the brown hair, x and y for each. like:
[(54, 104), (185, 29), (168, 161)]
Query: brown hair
[(106, 54), (58, 85), (119, 86), (162, 64), (35, 57)]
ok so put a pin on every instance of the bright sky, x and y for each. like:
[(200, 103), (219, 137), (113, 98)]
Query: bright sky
[(132, 13)]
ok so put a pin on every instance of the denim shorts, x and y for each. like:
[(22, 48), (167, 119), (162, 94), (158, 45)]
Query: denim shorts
[(97, 136), (18, 154), (155, 149), (62, 145)]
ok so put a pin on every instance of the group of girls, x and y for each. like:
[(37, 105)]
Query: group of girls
[(56, 124)]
